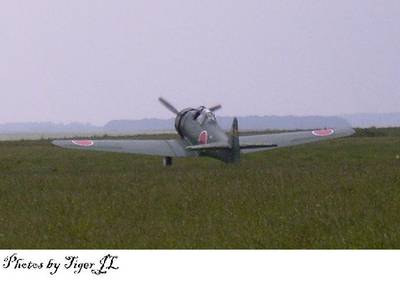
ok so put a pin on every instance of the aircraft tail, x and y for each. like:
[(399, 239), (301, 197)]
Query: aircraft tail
[(234, 142), (236, 146), (232, 148)]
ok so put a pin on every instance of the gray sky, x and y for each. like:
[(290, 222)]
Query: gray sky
[(93, 61)]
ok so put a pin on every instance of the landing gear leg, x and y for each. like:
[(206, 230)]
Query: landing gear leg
[(167, 161)]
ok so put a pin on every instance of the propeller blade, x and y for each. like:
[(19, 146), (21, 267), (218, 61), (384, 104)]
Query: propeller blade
[(168, 105), (215, 108)]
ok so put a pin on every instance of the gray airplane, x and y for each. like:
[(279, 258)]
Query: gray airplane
[(200, 135)]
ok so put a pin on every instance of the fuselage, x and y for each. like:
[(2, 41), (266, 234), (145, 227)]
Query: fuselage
[(199, 126)]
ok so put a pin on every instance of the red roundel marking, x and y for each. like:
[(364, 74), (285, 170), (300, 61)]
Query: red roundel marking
[(323, 132), (83, 143), (203, 137)]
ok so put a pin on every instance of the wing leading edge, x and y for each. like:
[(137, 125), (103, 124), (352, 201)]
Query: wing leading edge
[(165, 148), (294, 138)]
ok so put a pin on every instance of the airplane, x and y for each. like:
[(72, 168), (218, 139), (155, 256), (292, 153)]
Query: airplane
[(200, 135)]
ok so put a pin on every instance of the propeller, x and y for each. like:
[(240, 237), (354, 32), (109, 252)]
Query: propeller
[(168, 105), (215, 108)]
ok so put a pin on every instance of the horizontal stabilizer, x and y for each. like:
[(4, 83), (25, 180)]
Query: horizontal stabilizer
[(256, 145), (210, 146), (219, 146)]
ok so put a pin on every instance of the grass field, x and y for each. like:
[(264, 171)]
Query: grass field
[(343, 193)]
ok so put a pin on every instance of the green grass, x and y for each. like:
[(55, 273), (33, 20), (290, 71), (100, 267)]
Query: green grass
[(378, 132), (343, 193)]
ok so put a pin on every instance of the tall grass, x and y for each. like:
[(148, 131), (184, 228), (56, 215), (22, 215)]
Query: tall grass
[(338, 194)]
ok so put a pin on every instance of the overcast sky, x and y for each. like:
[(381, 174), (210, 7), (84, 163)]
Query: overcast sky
[(93, 61)]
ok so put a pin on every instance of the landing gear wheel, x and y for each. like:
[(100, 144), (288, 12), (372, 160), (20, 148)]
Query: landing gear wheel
[(167, 161)]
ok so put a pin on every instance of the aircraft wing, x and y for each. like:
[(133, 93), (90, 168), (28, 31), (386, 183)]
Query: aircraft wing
[(293, 138), (165, 148)]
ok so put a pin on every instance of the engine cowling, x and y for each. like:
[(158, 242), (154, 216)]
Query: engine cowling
[(178, 120)]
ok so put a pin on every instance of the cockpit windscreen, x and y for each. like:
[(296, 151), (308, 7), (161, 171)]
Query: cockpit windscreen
[(206, 116)]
